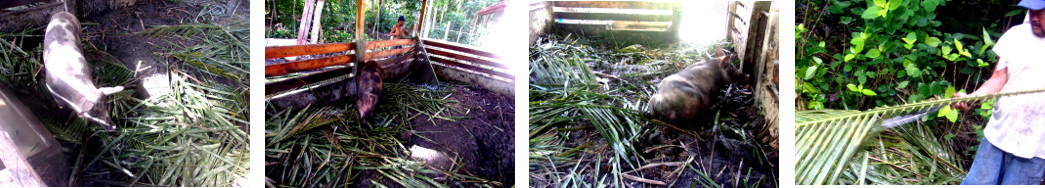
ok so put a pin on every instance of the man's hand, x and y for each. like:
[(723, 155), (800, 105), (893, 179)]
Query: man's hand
[(962, 105)]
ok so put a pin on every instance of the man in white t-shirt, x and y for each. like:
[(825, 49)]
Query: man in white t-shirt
[(1012, 150)]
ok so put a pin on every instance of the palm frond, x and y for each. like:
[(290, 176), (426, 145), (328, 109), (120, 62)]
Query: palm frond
[(827, 140)]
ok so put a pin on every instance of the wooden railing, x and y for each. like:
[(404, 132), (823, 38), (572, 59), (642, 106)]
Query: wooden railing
[(461, 63), (319, 69)]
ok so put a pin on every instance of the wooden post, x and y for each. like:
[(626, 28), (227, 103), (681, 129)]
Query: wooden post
[(360, 40), (424, 6), (306, 18), (316, 19)]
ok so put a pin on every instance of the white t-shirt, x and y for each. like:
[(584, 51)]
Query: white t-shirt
[(1018, 123)]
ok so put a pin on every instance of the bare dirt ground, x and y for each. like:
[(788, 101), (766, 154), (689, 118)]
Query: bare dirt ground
[(481, 139)]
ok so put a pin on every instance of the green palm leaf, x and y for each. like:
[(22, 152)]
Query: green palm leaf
[(826, 140)]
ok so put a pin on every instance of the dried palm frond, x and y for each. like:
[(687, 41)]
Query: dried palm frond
[(826, 140)]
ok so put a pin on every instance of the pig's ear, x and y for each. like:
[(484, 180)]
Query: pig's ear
[(110, 90)]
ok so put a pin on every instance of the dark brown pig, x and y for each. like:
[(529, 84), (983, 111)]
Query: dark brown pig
[(687, 94), (368, 89), (69, 77)]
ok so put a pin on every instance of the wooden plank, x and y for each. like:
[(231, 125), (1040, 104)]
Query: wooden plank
[(452, 63), (386, 43), (492, 84), (612, 16), (386, 53), (287, 84), (393, 68), (460, 48), (306, 65), (313, 64), (306, 19), (466, 57), (615, 4), (310, 49), (316, 23), (420, 20)]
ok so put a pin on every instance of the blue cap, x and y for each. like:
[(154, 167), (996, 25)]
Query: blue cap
[(401, 18), (1033, 4)]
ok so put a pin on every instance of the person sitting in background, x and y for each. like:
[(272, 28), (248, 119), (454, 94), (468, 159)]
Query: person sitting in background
[(1012, 150)]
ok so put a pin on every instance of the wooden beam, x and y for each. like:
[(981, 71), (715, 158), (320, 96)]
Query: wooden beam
[(614, 4), (460, 48), (314, 64), (452, 63), (360, 39), (612, 16), (386, 43), (393, 68), (309, 49), (496, 85), (317, 27), (468, 58), (291, 83), (386, 53), (306, 65), (424, 7), (306, 19)]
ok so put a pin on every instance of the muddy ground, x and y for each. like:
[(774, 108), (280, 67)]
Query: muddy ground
[(481, 139)]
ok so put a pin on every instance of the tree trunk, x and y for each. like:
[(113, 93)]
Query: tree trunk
[(377, 18)]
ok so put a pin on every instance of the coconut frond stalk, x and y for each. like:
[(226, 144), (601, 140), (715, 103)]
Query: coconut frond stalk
[(827, 140)]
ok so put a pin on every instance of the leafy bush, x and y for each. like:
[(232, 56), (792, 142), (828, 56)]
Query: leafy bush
[(896, 53)]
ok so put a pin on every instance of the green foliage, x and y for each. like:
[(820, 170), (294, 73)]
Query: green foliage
[(897, 45)]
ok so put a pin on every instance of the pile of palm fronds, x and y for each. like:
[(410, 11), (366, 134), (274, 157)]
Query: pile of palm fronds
[(196, 135), (577, 84), (852, 147), (329, 147)]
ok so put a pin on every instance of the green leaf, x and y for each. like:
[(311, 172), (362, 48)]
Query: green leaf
[(948, 137), (958, 45), (870, 13), (868, 92), (945, 50), (880, 3), (952, 116), (1014, 12), (966, 53), (987, 41), (873, 53), (943, 111), (912, 70), (980, 63), (810, 72), (893, 4), (908, 46), (930, 5), (818, 60), (903, 84), (849, 57), (948, 92), (933, 41), (852, 87), (816, 105), (858, 42), (910, 39)]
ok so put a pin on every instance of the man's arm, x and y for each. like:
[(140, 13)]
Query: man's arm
[(992, 85)]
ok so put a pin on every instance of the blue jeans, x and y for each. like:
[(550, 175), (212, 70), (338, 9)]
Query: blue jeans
[(992, 166)]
